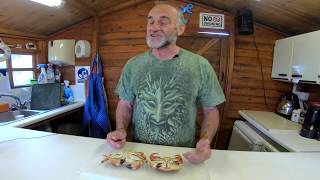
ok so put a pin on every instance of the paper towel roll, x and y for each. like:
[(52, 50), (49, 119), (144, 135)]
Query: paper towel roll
[(82, 49)]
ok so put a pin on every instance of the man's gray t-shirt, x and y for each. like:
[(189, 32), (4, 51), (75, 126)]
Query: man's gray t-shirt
[(166, 95)]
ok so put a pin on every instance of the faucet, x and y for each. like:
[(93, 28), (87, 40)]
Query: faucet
[(19, 105)]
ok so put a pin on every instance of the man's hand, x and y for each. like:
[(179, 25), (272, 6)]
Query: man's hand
[(202, 153), (117, 138)]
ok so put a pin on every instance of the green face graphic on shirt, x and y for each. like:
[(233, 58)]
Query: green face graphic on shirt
[(163, 107)]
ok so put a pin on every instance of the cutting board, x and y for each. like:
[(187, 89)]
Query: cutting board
[(94, 170), (46, 96)]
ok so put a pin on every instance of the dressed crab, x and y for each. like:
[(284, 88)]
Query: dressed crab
[(131, 160), (173, 163)]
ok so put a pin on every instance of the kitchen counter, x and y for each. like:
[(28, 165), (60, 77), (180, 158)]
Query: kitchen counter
[(29, 154), (281, 130), (45, 115)]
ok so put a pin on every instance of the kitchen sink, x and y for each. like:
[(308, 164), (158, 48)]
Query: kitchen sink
[(9, 116)]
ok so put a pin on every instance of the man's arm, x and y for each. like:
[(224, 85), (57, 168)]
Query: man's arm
[(117, 138), (123, 114), (208, 130), (210, 123)]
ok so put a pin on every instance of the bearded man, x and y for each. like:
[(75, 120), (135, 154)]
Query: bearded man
[(160, 90)]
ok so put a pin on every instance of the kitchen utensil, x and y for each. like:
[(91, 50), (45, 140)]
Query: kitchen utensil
[(288, 103)]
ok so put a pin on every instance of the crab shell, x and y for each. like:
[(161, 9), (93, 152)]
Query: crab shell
[(165, 163), (131, 160)]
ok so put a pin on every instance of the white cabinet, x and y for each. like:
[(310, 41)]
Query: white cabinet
[(306, 54), (281, 67), (302, 51)]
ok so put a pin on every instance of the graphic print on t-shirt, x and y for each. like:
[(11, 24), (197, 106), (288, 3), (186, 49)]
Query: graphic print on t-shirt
[(163, 109)]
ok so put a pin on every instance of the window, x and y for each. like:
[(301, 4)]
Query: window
[(20, 69)]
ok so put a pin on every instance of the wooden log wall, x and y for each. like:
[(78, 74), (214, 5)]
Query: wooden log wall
[(121, 35), (252, 87)]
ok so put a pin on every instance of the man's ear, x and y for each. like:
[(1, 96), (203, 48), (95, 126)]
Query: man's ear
[(181, 29)]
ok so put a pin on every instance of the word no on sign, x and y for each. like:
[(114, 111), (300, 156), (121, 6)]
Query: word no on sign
[(210, 20)]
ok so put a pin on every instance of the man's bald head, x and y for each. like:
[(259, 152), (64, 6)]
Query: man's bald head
[(174, 13)]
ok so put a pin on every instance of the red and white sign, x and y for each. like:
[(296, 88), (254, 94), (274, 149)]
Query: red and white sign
[(210, 20)]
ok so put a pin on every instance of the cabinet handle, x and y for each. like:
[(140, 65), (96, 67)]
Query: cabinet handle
[(296, 75), (282, 74)]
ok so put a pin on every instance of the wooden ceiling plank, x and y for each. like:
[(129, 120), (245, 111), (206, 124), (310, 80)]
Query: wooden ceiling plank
[(9, 32), (69, 28), (238, 5), (120, 6), (82, 7)]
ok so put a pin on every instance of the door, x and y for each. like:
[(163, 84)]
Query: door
[(216, 52)]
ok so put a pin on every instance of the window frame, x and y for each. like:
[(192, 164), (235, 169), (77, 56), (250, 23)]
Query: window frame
[(10, 70)]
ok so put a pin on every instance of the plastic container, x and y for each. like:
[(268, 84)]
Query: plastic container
[(50, 73), (42, 79), (33, 81), (4, 107), (68, 94), (57, 75)]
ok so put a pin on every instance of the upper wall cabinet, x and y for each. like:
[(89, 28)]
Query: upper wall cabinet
[(298, 58), (282, 57)]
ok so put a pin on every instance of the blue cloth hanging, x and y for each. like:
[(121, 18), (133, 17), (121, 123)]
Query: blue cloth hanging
[(95, 116)]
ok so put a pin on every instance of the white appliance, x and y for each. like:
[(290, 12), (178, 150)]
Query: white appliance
[(245, 138), (61, 52)]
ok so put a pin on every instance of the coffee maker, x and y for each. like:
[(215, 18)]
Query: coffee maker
[(311, 124)]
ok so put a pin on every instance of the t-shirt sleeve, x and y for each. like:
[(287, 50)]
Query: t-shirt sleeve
[(210, 93), (124, 87)]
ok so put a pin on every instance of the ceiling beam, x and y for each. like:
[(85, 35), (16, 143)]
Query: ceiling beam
[(120, 6), (83, 7), (10, 32)]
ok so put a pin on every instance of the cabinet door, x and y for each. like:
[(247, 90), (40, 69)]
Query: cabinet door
[(282, 57), (306, 54)]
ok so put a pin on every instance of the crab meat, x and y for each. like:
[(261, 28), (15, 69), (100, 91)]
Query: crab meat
[(131, 160), (165, 163)]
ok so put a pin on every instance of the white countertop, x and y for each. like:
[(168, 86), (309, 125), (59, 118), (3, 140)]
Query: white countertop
[(39, 155), (45, 115), (281, 130)]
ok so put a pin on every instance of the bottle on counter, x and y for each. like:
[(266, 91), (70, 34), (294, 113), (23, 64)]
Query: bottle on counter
[(42, 78), (68, 94), (50, 73), (57, 75)]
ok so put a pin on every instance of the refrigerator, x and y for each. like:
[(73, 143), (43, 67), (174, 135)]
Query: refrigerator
[(246, 138)]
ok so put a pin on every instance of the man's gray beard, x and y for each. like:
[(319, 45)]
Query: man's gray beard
[(163, 43)]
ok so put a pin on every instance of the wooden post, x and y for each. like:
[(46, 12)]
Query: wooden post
[(95, 39)]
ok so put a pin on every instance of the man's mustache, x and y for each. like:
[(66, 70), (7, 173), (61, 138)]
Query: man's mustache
[(156, 34)]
